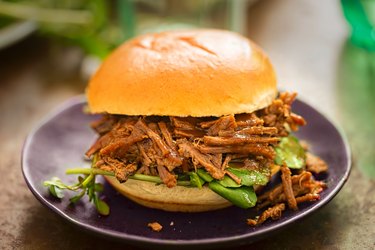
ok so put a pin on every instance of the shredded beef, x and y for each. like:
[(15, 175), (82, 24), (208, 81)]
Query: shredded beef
[(253, 149), (234, 177), (123, 173), (166, 146), (249, 120), (279, 113), (288, 188), (182, 123), (225, 123), (238, 140), (166, 134), (166, 176), (119, 146), (315, 164), (272, 212), (226, 161), (257, 130), (301, 187), (308, 197), (104, 125), (156, 139), (304, 188), (121, 170), (191, 133), (188, 150)]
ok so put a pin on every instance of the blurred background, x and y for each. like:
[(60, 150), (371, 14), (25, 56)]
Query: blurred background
[(324, 50)]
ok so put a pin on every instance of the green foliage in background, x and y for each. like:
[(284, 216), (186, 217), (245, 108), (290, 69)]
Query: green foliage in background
[(87, 23)]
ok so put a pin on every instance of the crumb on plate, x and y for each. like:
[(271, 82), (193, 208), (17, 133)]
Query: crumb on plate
[(155, 226)]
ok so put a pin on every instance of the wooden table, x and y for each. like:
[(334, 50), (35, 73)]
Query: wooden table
[(306, 41)]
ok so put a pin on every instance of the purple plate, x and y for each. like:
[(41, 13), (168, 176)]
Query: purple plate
[(61, 140)]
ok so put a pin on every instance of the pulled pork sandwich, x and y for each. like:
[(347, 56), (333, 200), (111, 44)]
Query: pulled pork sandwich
[(197, 112)]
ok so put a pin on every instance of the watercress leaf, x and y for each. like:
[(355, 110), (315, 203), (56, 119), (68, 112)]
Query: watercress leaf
[(228, 182), (56, 191), (91, 193), (243, 197), (290, 152), (183, 177), (101, 206), (80, 179), (204, 175), (76, 198), (143, 177), (88, 181), (52, 191), (95, 159), (195, 180), (55, 181), (250, 177), (98, 187)]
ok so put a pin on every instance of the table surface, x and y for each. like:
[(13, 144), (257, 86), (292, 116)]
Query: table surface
[(307, 42)]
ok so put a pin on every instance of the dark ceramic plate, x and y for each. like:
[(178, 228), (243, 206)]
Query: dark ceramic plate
[(61, 140)]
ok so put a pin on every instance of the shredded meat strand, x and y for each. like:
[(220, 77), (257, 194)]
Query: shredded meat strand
[(288, 188), (315, 164), (273, 212), (225, 123), (234, 177), (302, 185), (254, 149), (308, 197), (238, 140), (188, 150), (166, 134), (168, 178)]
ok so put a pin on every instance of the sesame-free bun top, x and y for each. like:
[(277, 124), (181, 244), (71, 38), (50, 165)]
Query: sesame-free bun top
[(184, 73)]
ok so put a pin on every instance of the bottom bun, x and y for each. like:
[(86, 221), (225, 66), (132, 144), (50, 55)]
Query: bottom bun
[(176, 199)]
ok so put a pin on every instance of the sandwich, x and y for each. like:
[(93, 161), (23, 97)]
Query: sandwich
[(192, 121)]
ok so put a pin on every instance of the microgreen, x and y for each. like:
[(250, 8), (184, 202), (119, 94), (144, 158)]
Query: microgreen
[(86, 185)]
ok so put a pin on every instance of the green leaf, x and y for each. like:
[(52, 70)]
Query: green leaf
[(142, 177), (204, 175), (183, 177), (89, 180), (195, 180), (55, 181), (243, 197), (91, 193), (98, 187), (76, 198), (228, 182), (249, 177), (56, 191), (80, 179), (290, 152), (101, 206)]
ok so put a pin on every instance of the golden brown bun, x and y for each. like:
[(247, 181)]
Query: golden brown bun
[(184, 73), (176, 199)]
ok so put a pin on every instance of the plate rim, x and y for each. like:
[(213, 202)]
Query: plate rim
[(138, 240)]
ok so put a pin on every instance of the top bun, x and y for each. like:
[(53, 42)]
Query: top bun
[(184, 73)]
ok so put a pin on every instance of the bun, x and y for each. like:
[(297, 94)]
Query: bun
[(176, 199), (184, 73)]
